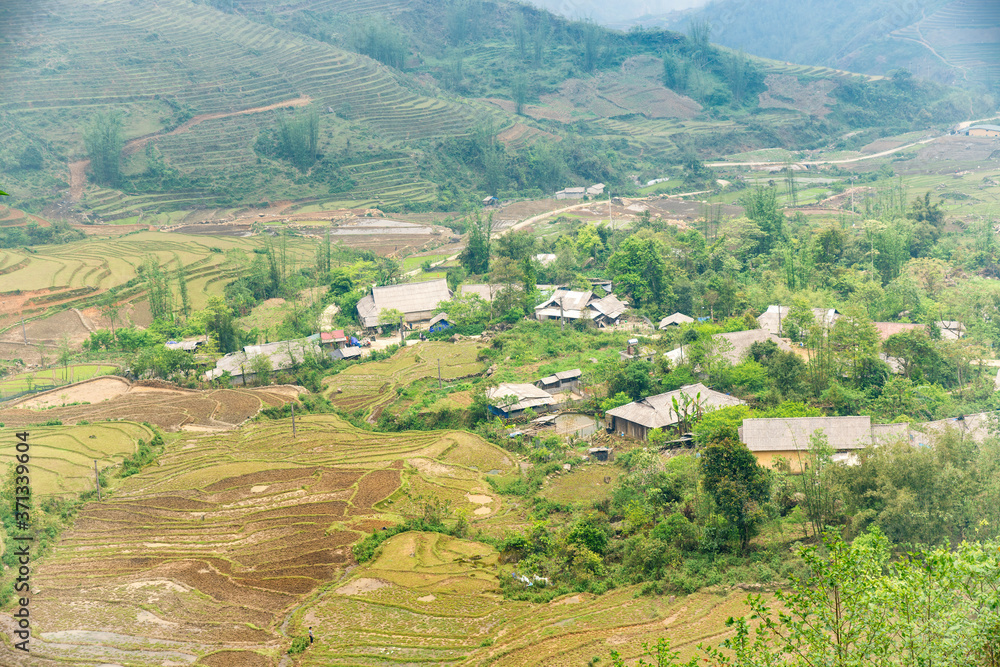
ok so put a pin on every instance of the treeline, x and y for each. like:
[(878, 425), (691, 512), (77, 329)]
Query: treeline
[(34, 234)]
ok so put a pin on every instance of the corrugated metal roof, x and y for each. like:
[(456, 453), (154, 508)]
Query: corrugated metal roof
[(658, 411), (514, 397), (734, 346), (675, 320), (283, 355), (408, 298), (483, 291), (777, 435), (610, 306)]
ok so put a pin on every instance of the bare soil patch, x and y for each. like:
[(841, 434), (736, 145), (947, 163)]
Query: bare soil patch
[(363, 585)]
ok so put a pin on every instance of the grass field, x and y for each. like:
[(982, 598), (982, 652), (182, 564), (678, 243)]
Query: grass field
[(62, 457)]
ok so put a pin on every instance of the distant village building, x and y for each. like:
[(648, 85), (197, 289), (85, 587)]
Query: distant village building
[(511, 400), (440, 322), (185, 345), (772, 320), (417, 301), (571, 193), (732, 347), (886, 329), (490, 202), (639, 418), (595, 190), (675, 320), (545, 258), (483, 291), (561, 381), (788, 438), (281, 356), (331, 340), (346, 353), (983, 131), (577, 305), (950, 329)]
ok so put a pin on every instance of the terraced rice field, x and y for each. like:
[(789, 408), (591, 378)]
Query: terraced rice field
[(431, 599), (54, 376), (75, 272), (62, 457), (162, 405), (964, 34), (175, 57), (208, 550), (370, 387)]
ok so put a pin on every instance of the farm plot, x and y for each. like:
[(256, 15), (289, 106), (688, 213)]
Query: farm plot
[(54, 376), (62, 457), (428, 598), (370, 387), (168, 408), (207, 550), (72, 273)]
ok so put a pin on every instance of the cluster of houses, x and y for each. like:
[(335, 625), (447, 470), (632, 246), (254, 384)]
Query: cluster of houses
[(510, 400)]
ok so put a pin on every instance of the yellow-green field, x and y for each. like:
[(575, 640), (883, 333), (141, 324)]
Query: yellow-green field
[(53, 376), (73, 272), (370, 387), (62, 457)]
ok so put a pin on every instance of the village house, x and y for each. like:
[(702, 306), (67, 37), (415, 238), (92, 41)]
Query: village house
[(281, 356), (561, 381), (333, 340), (416, 301), (772, 319), (732, 346), (983, 131), (581, 305), (185, 345), (675, 320), (511, 400), (639, 418), (788, 438), (440, 322)]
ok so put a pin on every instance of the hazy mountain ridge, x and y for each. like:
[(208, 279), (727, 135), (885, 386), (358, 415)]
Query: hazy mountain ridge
[(949, 41)]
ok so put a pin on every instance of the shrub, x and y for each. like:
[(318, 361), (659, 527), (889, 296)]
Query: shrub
[(299, 644)]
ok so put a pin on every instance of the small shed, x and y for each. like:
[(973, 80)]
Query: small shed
[(561, 381), (440, 322), (595, 190), (491, 201), (601, 453), (333, 339), (346, 353)]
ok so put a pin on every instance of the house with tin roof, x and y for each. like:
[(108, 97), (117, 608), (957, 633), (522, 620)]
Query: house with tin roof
[(417, 301), (639, 418)]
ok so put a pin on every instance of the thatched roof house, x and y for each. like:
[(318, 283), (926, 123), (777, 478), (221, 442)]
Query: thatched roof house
[(638, 418), (416, 301), (788, 438)]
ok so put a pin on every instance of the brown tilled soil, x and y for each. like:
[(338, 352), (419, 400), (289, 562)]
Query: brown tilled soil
[(169, 409)]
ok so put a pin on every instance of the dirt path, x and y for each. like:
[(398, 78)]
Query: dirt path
[(78, 170), (135, 144), (77, 178), (819, 162)]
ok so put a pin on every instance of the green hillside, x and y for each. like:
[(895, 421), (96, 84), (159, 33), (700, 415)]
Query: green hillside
[(393, 103)]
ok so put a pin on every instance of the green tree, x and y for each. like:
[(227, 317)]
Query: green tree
[(738, 484), (104, 140), (298, 138), (476, 256), (640, 273)]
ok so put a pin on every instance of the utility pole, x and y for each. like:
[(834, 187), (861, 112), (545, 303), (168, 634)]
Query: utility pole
[(97, 478)]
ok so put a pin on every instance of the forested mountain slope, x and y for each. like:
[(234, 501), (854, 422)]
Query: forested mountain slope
[(390, 103)]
